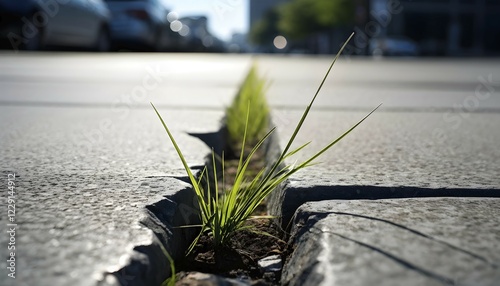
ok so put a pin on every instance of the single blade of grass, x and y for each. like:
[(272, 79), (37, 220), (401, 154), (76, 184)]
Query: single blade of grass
[(308, 108), (291, 153), (199, 191), (340, 137), (170, 281)]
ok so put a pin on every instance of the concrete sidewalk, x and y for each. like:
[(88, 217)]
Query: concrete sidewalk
[(95, 171), (96, 188), (81, 212), (409, 144), (361, 216)]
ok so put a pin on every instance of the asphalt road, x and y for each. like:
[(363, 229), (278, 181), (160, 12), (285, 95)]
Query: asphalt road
[(191, 80)]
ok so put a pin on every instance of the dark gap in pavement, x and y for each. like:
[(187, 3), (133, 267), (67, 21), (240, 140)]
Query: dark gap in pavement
[(291, 198), (214, 140)]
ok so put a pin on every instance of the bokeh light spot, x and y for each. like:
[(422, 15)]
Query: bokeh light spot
[(280, 42), (176, 26), (172, 16), (184, 31)]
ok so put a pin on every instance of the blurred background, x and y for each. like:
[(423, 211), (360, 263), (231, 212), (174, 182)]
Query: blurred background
[(454, 28)]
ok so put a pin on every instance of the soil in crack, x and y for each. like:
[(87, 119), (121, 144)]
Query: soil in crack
[(239, 259)]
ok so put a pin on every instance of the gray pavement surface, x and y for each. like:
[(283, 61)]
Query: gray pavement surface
[(90, 155), (80, 209), (435, 136), (118, 80), (429, 138), (400, 83), (445, 241), (392, 154)]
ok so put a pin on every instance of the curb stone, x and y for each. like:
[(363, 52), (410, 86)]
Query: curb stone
[(148, 265), (433, 241)]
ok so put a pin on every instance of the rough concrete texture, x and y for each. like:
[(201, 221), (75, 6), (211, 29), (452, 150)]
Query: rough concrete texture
[(95, 169), (445, 241), (423, 142), (392, 155), (91, 155), (183, 81), (403, 84), (91, 205), (435, 135)]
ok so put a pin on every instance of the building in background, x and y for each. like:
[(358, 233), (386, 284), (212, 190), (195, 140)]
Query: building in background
[(410, 27), (258, 8), (196, 36), (443, 28), (238, 43), (324, 42)]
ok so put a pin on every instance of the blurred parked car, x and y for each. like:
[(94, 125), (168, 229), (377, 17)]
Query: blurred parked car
[(35, 24), (196, 37), (139, 24), (393, 47)]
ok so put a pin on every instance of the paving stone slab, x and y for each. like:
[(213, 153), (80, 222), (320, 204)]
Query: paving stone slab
[(433, 241), (91, 201), (391, 155)]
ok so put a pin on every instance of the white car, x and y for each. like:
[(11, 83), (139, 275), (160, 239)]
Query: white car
[(36, 24)]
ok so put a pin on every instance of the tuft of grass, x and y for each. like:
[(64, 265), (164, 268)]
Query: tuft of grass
[(222, 215), (251, 95)]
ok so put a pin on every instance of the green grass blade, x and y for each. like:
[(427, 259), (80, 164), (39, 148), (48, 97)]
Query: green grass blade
[(308, 108), (179, 153), (291, 153), (204, 207), (340, 137), (195, 241), (170, 281)]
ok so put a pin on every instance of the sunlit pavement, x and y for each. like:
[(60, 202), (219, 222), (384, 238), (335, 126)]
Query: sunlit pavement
[(79, 124), (437, 127), (89, 154), (209, 80), (115, 80)]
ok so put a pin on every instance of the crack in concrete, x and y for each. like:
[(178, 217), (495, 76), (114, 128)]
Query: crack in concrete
[(291, 198)]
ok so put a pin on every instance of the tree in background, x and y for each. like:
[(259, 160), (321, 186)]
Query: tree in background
[(264, 31), (301, 18)]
